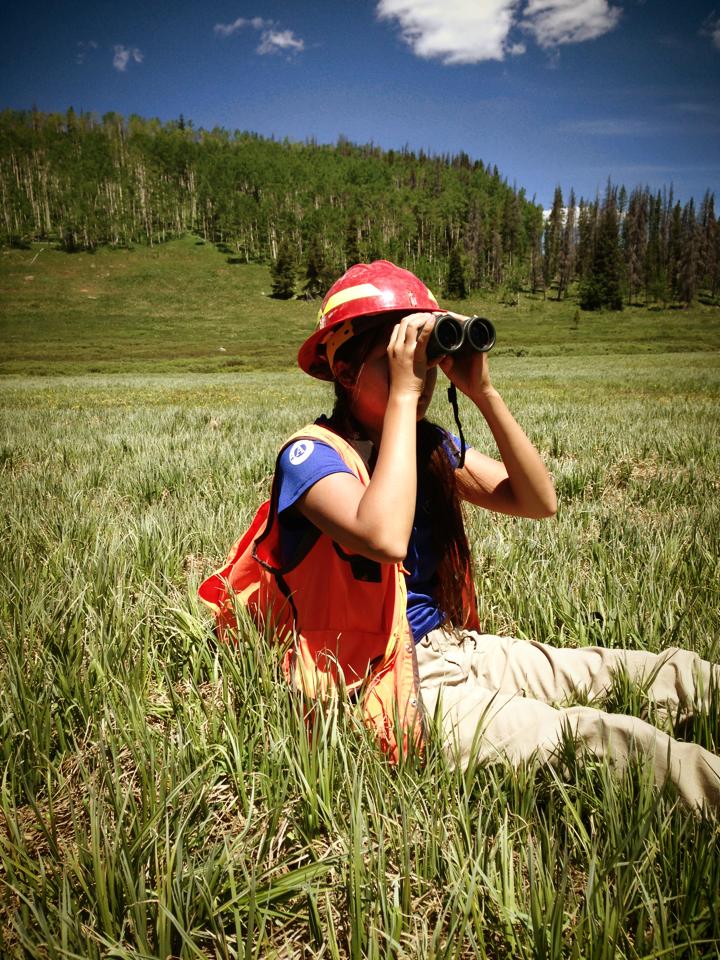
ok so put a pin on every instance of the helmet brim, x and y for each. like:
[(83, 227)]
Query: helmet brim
[(311, 355)]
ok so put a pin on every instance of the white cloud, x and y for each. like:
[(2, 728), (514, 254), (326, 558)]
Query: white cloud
[(454, 31), (122, 56), (280, 41), (711, 28), (227, 29), (470, 31), (272, 40), (553, 22)]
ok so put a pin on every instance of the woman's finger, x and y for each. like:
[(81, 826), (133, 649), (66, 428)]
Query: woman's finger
[(393, 338), (409, 332), (424, 332), (416, 327)]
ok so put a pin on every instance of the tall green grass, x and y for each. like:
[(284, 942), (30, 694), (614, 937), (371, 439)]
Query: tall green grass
[(164, 796)]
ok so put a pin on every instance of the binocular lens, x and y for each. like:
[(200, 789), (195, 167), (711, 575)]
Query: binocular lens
[(480, 334), (450, 335)]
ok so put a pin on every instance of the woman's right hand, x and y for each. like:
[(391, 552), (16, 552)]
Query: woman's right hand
[(406, 352)]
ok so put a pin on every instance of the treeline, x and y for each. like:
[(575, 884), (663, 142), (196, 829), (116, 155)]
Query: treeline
[(638, 247), (311, 210), (82, 181)]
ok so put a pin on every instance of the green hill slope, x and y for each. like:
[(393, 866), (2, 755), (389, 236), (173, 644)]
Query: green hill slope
[(183, 306)]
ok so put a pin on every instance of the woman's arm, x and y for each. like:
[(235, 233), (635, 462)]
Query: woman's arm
[(376, 521), (520, 484)]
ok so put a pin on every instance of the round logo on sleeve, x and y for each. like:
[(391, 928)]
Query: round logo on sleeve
[(300, 451)]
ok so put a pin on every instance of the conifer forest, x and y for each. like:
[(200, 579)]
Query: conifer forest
[(311, 210)]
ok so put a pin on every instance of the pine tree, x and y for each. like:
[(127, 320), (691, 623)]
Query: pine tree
[(608, 263), (553, 239), (535, 267), (566, 266), (635, 241), (316, 280), (621, 201), (282, 271), (656, 288), (688, 265), (591, 297), (601, 286), (587, 231), (674, 250), (455, 284), (708, 252)]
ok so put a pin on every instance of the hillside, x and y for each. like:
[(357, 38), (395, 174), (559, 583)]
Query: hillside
[(85, 182), (185, 305)]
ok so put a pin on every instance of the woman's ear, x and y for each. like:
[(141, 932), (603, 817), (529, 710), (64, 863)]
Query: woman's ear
[(343, 374)]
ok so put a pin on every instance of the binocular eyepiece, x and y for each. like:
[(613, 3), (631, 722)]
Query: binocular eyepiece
[(450, 335)]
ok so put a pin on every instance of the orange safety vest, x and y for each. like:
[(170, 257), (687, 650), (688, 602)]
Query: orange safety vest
[(345, 614)]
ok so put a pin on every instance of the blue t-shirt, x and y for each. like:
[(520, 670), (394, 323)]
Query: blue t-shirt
[(302, 464)]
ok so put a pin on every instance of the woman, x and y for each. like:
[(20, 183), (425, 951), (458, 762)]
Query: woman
[(360, 559)]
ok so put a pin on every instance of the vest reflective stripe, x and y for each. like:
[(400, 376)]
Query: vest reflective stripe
[(346, 619)]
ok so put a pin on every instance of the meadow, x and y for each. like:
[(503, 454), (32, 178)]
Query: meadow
[(162, 795)]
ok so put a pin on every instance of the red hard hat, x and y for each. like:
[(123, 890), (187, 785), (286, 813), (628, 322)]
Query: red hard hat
[(363, 291)]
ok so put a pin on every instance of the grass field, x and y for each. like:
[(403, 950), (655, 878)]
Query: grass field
[(162, 797), (183, 307)]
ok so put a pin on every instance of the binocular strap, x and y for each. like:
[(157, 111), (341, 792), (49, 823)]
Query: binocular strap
[(453, 398)]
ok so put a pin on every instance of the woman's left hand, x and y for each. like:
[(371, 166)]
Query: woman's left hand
[(467, 369)]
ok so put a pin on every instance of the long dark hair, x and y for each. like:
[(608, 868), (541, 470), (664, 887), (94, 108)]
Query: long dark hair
[(436, 473)]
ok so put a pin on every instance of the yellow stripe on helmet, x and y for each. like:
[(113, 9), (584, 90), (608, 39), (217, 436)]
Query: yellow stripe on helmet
[(345, 296)]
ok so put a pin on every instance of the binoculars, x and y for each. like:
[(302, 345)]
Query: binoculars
[(450, 335)]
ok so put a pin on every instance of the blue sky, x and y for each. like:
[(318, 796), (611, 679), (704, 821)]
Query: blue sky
[(552, 91)]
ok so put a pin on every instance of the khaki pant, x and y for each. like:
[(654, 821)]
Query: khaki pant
[(508, 689)]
